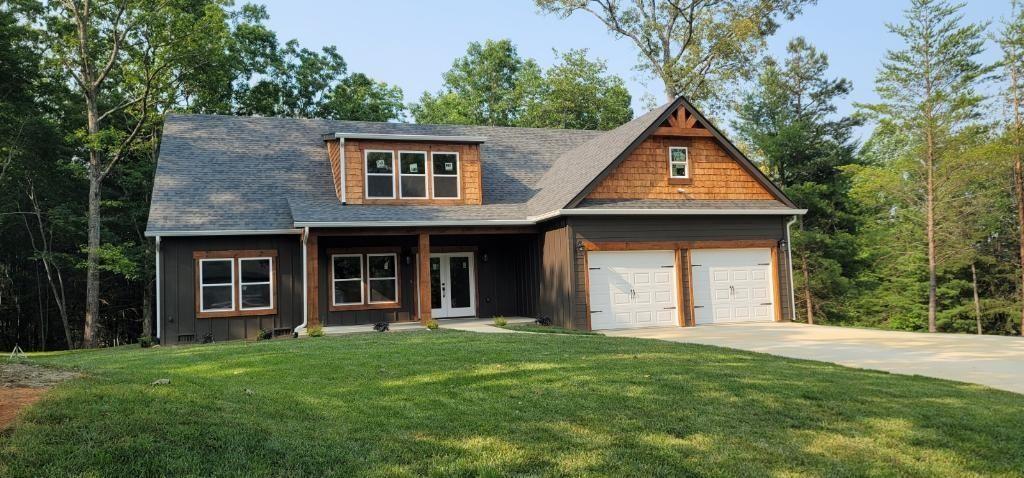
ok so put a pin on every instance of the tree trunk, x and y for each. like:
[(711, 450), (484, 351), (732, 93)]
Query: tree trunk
[(92, 271), (1018, 178), (977, 301), (147, 310), (930, 228)]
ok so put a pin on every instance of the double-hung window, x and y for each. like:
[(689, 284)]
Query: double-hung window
[(380, 174), (446, 175), (678, 162), (235, 283), (412, 171), (364, 280), (216, 285)]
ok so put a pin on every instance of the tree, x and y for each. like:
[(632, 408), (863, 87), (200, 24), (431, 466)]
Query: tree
[(930, 90), (1011, 41), (789, 120), (360, 98), (697, 48), (578, 93), (493, 85)]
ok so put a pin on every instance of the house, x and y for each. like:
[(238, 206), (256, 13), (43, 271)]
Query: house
[(279, 224)]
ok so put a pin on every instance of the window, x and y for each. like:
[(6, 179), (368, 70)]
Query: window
[(347, 278), (446, 175), (383, 278), (678, 162), (256, 283), (216, 285), (235, 283), (380, 174), (412, 172)]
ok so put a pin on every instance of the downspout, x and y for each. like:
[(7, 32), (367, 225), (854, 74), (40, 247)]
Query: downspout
[(341, 168), (789, 254), (158, 318), (305, 289)]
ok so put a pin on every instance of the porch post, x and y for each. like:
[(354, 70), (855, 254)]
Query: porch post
[(424, 279), (313, 279)]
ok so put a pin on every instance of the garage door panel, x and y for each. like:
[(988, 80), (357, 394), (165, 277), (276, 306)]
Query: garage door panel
[(732, 285), (641, 287)]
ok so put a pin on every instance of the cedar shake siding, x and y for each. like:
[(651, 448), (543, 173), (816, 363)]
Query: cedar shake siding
[(671, 229), (713, 174), (178, 288)]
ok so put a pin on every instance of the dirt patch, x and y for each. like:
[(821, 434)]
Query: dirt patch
[(22, 385)]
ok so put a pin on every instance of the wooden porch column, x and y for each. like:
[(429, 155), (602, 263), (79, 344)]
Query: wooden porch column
[(424, 279), (313, 279)]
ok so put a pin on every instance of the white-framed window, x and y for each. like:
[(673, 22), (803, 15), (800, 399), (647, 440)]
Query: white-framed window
[(347, 279), (412, 174), (216, 285), (382, 278), (380, 174), (446, 175), (256, 283), (678, 162)]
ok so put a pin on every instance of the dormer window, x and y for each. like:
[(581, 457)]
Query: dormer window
[(380, 174), (446, 175), (413, 174), (678, 163)]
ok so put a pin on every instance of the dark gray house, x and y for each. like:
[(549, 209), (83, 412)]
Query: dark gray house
[(282, 224)]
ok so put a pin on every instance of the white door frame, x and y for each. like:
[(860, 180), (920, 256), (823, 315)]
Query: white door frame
[(446, 309)]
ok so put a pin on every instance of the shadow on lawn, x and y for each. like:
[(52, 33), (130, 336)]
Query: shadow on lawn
[(451, 403)]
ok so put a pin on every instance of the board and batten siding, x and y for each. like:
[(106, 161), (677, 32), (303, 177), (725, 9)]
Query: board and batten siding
[(557, 283), (667, 229), (178, 288)]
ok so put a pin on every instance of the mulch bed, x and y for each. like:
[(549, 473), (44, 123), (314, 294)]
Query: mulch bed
[(22, 385)]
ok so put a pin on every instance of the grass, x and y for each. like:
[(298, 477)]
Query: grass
[(449, 403), (547, 329)]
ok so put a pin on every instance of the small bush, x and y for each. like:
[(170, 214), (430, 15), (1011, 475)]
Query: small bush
[(145, 342), (264, 335), (543, 321), (315, 331), (382, 326), (432, 324), (500, 321)]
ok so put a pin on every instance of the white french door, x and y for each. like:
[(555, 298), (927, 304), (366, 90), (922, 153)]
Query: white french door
[(452, 285)]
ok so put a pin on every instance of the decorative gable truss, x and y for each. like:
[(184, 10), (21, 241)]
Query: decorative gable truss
[(683, 123)]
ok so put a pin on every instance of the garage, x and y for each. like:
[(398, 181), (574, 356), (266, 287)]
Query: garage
[(630, 289), (733, 285)]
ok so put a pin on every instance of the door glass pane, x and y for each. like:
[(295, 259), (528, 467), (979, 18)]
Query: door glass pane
[(459, 272), (435, 282), (255, 296)]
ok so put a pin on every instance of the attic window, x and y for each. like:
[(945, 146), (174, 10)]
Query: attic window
[(678, 163), (412, 171), (446, 175), (380, 174)]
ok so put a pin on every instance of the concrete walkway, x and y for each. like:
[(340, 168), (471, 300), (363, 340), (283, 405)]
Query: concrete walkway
[(484, 326), (995, 361)]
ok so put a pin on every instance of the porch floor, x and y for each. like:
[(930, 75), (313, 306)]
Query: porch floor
[(471, 324)]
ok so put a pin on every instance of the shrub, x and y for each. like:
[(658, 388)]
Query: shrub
[(543, 321), (315, 331), (145, 342), (432, 324), (381, 326), (500, 321)]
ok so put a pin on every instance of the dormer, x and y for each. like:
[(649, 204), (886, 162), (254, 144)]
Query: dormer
[(405, 169)]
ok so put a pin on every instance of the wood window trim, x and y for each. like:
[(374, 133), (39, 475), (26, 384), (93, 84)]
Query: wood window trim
[(365, 252), (688, 176), (270, 283), (234, 255), (367, 174), (361, 279), (457, 176), (425, 175)]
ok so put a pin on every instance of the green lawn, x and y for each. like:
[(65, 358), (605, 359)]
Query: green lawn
[(450, 403)]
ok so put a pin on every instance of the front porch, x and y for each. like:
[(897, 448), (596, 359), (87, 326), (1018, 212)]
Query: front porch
[(359, 277)]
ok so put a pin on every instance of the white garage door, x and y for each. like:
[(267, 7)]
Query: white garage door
[(632, 289), (732, 285)]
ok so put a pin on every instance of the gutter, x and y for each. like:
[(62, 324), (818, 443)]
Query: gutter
[(341, 169), (223, 232), (305, 286), (158, 321), (789, 252), (413, 137)]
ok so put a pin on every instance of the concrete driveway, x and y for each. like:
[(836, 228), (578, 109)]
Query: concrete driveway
[(995, 361)]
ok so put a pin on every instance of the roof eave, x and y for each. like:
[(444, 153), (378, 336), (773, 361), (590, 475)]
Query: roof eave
[(411, 137)]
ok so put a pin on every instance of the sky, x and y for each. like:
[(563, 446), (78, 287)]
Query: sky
[(412, 43)]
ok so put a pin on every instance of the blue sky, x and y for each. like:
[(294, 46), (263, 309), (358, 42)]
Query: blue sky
[(411, 43)]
